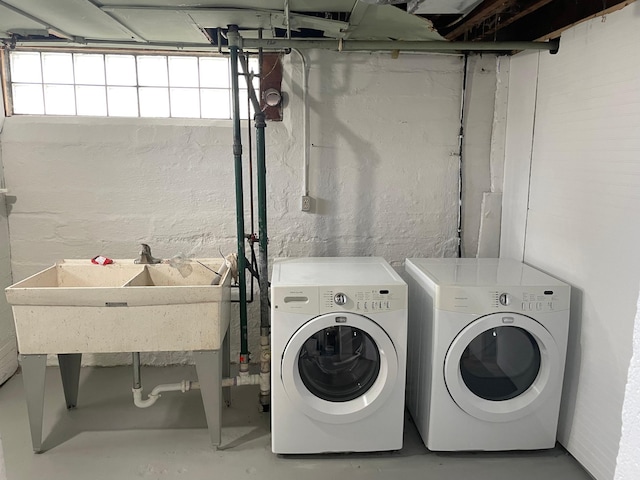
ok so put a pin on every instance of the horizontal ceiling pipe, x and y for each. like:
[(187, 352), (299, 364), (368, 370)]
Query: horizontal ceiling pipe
[(325, 44), (415, 46)]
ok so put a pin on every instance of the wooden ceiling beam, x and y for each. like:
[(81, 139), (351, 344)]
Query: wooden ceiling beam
[(513, 18), (558, 32), (482, 12), (554, 17)]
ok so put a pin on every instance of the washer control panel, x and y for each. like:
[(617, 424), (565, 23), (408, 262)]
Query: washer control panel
[(363, 300), (317, 300)]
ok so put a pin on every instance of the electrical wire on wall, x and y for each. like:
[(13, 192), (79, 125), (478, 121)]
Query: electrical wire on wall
[(533, 137), (460, 153)]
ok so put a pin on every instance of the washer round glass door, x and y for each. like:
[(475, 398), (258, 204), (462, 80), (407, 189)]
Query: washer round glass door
[(339, 367), (339, 363), (499, 367)]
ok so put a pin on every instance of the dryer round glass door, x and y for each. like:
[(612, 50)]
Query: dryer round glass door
[(339, 368), (502, 366), (500, 363)]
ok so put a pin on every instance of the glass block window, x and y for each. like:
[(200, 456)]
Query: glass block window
[(118, 85)]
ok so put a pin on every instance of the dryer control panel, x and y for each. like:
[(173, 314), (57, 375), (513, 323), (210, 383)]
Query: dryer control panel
[(480, 300), (363, 300)]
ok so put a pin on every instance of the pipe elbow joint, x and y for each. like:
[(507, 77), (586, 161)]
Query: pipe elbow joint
[(139, 402)]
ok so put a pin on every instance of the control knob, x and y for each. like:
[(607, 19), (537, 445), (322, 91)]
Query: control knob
[(340, 298), (505, 299)]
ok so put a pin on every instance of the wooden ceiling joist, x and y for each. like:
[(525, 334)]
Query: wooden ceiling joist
[(482, 12), (553, 17), (505, 22), (520, 20)]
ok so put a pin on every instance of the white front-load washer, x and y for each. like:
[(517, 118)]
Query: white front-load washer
[(339, 334), (486, 353)]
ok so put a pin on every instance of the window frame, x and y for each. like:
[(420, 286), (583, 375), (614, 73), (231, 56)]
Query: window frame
[(8, 84)]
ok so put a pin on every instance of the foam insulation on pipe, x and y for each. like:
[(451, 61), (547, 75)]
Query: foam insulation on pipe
[(374, 45)]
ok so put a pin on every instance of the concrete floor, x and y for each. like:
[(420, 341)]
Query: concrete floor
[(107, 437)]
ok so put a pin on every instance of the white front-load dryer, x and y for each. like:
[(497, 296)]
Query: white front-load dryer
[(339, 334), (487, 347)]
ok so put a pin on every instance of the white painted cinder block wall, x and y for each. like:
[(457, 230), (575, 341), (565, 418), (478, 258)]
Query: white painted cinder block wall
[(573, 149), (383, 173), (8, 357)]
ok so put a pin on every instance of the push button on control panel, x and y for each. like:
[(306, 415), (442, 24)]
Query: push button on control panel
[(364, 301)]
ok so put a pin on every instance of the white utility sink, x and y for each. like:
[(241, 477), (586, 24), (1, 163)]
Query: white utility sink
[(76, 306)]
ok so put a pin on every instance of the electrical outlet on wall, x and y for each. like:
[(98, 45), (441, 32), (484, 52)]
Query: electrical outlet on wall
[(306, 203)]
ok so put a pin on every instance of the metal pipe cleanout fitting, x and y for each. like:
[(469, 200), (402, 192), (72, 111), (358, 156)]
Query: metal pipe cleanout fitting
[(391, 45), (237, 155)]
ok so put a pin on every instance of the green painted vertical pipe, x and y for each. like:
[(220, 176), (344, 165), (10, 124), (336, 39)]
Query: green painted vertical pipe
[(263, 266), (237, 156)]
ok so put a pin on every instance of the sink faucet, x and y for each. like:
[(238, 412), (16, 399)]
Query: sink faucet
[(145, 255)]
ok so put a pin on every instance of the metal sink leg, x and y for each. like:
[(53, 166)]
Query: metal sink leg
[(209, 370), (34, 368), (70, 373)]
